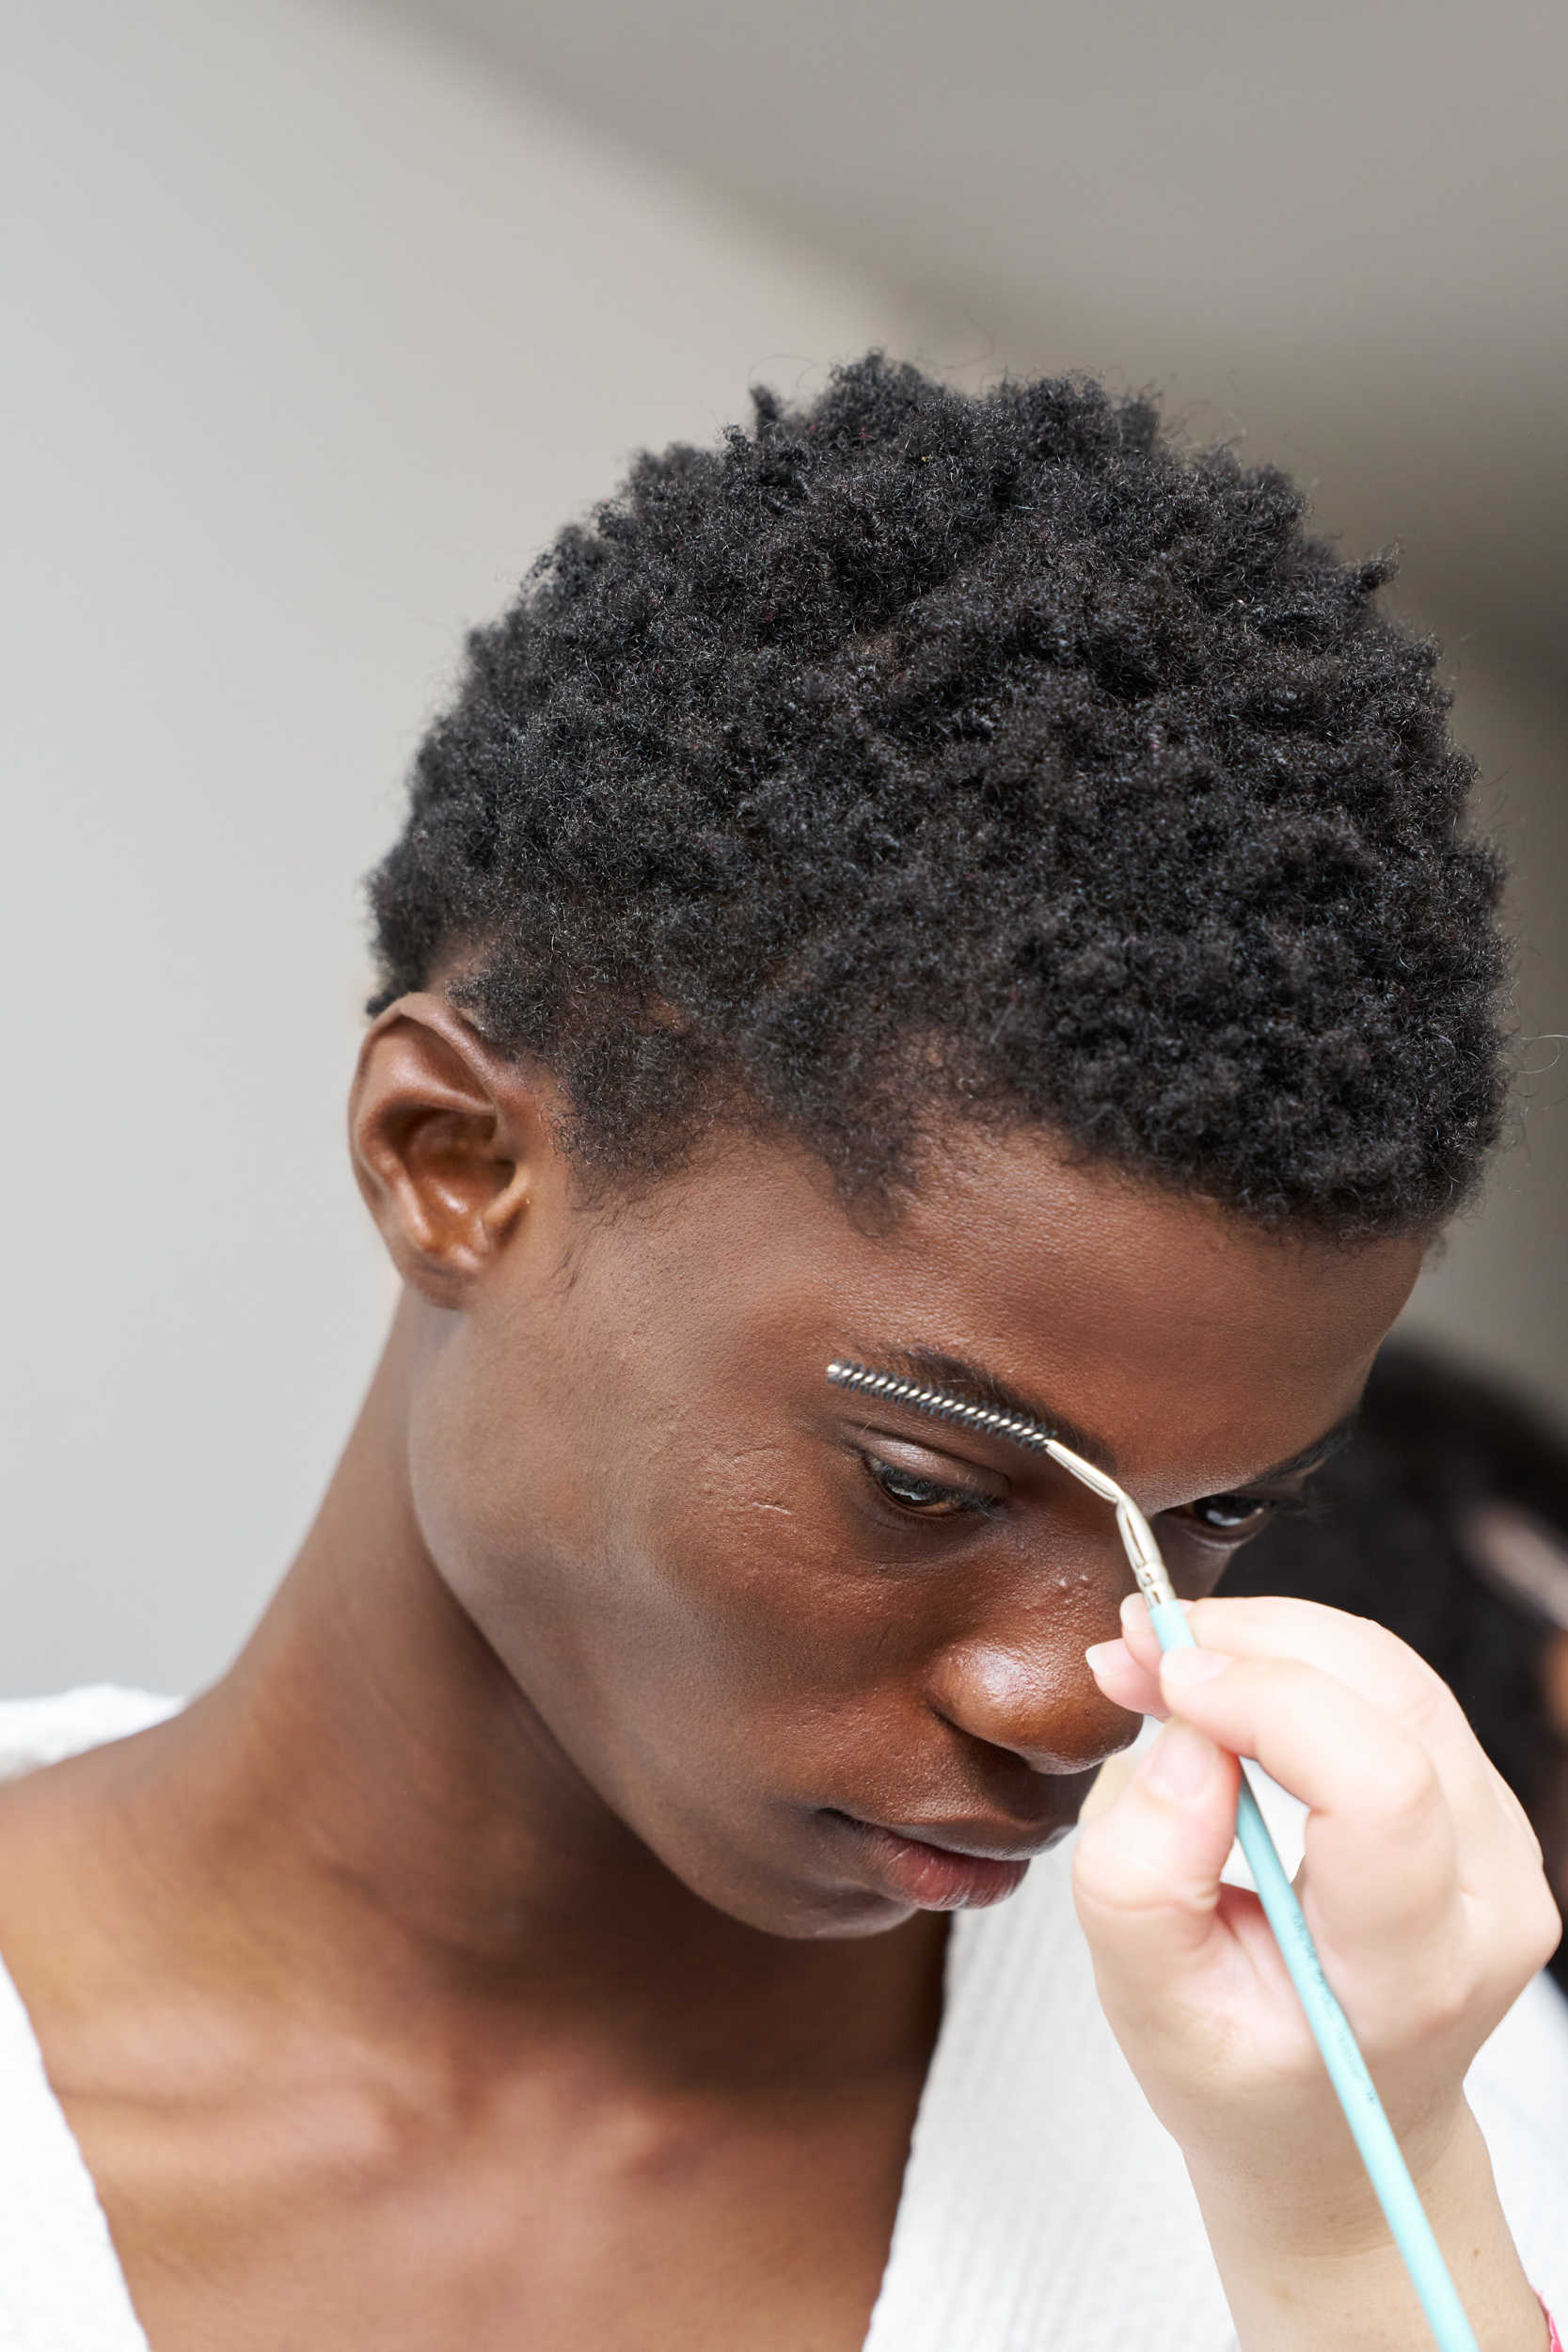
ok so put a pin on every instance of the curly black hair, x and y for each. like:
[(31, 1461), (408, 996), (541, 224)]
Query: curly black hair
[(918, 753), (1385, 1536)]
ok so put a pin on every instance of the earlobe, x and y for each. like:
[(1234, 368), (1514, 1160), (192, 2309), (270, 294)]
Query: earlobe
[(445, 1141)]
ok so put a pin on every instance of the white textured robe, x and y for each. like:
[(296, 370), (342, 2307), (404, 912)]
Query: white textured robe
[(1043, 2206)]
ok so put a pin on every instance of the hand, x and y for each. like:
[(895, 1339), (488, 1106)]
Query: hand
[(1423, 1889)]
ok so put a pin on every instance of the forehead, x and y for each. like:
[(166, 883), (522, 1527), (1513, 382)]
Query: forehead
[(1203, 1347)]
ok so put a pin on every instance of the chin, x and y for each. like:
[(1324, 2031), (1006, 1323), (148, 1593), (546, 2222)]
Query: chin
[(800, 1910)]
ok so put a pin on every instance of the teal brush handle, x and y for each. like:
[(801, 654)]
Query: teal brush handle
[(1347, 2069)]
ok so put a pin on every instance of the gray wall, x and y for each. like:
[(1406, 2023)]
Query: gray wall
[(318, 323), (313, 335)]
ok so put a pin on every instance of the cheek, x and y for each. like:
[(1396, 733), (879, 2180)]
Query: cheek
[(671, 1612)]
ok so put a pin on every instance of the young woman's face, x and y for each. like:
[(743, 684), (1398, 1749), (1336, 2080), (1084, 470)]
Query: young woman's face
[(824, 1656)]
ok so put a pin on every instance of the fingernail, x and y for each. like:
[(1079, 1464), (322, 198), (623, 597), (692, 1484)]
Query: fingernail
[(1108, 1658), (1193, 1665), (1180, 1761)]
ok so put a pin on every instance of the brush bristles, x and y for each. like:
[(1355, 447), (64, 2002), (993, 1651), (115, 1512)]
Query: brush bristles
[(941, 1402), (1137, 1536)]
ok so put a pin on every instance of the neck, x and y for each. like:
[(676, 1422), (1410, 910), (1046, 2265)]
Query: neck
[(367, 1818)]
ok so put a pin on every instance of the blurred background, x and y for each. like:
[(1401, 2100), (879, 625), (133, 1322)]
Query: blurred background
[(321, 315)]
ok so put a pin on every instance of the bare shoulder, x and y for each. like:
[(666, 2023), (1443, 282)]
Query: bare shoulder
[(62, 1761)]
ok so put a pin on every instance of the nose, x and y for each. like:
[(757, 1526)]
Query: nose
[(1034, 1697)]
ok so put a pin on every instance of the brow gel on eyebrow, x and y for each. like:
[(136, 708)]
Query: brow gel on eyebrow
[(1347, 2069)]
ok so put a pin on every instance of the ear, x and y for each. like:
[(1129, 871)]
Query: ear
[(446, 1139)]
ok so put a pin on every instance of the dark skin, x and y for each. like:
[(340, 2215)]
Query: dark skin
[(510, 1950)]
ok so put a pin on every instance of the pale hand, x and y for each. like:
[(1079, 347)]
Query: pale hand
[(1423, 1889)]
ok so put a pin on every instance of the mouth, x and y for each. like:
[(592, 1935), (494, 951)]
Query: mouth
[(931, 1877)]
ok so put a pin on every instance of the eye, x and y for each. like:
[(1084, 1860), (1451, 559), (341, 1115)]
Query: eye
[(1229, 1514), (909, 1492)]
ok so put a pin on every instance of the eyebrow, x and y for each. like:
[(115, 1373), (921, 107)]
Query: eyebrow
[(1311, 1457), (928, 1367)]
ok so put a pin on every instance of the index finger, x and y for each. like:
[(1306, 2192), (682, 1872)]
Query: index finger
[(1358, 1653)]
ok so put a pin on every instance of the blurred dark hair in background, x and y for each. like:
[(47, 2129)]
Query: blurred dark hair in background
[(1446, 1518)]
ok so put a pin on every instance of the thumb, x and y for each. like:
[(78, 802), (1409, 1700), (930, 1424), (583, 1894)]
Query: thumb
[(1147, 1874)]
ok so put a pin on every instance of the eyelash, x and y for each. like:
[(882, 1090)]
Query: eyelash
[(1262, 1511), (937, 1500), (958, 1502)]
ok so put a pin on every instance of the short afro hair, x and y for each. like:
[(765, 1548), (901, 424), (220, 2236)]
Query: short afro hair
[(919, 755)]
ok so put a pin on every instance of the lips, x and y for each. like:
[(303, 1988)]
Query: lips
[(931, 1877)]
